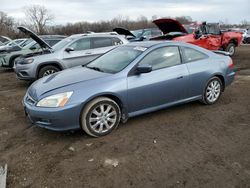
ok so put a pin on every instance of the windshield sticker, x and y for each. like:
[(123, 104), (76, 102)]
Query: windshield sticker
[(139, 48)]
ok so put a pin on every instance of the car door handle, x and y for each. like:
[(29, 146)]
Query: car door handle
[(88, 53), (180, 77)]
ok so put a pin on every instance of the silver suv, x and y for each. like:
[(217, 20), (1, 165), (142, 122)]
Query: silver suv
[(75, 50)]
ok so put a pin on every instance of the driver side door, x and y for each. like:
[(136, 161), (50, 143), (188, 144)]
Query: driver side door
[(166, 83), (80, 54)]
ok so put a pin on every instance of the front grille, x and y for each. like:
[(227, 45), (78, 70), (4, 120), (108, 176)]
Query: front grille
[(30, 100)]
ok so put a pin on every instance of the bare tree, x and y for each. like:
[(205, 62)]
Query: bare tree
[(6, 25), (39, 17)]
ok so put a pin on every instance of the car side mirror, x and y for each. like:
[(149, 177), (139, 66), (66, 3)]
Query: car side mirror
[(69, 49), (143, 69)]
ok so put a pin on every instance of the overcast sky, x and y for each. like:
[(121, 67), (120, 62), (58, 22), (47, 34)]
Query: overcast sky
[(231, 11)]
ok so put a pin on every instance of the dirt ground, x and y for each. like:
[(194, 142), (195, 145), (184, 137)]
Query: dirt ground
[(191, 145)]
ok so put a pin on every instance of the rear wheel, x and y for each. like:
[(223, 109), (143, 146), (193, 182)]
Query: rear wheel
[(230, 49), (100, 117), (212, 91), (47, 70)]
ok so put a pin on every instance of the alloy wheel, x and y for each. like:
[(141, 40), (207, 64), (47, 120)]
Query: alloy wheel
[(102, 118), (48, 72), (213, 91)]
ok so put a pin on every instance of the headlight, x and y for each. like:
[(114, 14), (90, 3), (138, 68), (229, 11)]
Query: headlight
[(28, 60), (53, 101)]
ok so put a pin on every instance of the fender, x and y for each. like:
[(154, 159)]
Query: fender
[(48, 63), (114, 97)]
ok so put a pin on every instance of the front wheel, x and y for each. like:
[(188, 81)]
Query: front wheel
[(212, 91), (100, 117), (47, 70)]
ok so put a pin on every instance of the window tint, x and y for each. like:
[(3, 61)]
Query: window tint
[(101, 42), (81, 44), (163, 57), (193, 55), (116, 41)]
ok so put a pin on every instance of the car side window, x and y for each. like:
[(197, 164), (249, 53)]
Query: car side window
[(191, 54), (116, 41), (81, 44), (147, 34), (162, 58), (101, 42)]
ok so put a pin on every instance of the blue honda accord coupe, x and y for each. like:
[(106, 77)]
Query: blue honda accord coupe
[(127, 81)]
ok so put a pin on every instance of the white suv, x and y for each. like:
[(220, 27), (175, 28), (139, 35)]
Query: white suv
[(73, 51)]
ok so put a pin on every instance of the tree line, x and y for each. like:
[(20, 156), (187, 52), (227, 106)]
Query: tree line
[(39, 19)]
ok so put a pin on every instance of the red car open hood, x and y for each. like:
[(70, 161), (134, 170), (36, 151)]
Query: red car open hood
[(167, 25)]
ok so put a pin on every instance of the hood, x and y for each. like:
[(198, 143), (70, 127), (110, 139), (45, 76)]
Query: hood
[(36, 38), (167, 25), (62, 79), (122, 31)]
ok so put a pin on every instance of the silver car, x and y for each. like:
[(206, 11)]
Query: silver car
[(75, 50)]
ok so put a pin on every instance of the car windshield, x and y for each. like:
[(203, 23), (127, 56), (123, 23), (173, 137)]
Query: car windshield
[(137, 33), (62, 43), (30, 44), (26, 42), (116, 60)]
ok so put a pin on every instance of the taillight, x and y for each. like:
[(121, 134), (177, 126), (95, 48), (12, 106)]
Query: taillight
[(231, 64)]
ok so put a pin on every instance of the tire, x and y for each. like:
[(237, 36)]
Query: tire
[(102, 122), (230, 49), (47, 70), (213, 91)]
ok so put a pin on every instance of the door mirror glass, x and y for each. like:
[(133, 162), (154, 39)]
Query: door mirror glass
[(143, 69), (69, 49)]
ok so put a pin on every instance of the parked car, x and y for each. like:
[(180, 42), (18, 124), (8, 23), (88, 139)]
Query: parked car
[(14, 45), (138, 35), (38, 45), (206, 35), (244, 32), (75, 50), (127, 81), (246, 39), (4, 40)]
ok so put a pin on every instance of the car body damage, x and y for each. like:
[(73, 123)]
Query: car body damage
[(206, 35)]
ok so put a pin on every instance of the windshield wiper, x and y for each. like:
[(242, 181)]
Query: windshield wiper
[(95, 68)]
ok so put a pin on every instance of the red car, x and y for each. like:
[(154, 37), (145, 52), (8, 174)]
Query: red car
[(208, 36)]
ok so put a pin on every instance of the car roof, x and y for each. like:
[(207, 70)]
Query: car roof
[(92, 34), (148, 44)]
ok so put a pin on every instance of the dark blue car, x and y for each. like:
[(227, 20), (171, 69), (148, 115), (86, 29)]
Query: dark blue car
[(127, 81)]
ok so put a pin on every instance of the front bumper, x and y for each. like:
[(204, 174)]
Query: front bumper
[(25, 71), (57, 119)]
